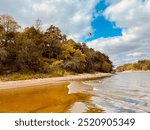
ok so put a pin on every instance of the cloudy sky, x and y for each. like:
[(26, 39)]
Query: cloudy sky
[(119, 28)]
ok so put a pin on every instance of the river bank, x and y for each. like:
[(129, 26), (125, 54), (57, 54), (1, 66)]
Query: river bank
[(44, 81), (45, 99), (61, 94), (134, 71)]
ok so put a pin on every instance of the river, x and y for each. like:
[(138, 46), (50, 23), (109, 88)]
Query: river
[(120, 93), (123, 92)]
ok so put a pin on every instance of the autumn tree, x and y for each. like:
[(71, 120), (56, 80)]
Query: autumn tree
[(34, 51), (52, 40), (140, 65), (8, 23), (8, 29), (3, 58)]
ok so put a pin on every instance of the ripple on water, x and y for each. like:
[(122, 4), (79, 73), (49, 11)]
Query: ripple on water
[(129, 100), (124, 92)]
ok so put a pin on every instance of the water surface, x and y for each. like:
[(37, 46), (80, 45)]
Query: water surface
[(48, 98), (124, 92)]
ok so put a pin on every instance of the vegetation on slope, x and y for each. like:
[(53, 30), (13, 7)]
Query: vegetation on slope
[(142, 65), (33, 51)]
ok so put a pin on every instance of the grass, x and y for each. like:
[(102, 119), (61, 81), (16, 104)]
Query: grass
[(20, 76), (25, 76)]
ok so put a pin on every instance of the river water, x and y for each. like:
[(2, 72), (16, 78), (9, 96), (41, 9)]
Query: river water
[(123, 92)]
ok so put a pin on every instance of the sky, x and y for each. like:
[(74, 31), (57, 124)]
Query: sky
[(118, 28)]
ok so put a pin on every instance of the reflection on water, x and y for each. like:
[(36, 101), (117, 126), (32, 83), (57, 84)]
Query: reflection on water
[(124, 92), (47, 98)]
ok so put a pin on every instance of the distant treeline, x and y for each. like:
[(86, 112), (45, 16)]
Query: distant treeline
[(142, 65), (34, 50)]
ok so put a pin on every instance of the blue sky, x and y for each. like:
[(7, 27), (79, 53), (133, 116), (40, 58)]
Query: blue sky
[(120, 28), (101, 26), (121, 31)]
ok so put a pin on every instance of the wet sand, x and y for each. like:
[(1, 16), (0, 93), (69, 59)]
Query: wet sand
[(61, 94), (54, 97)]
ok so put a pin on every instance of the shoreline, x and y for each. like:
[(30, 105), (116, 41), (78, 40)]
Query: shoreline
[(43, 81), (133, 71)]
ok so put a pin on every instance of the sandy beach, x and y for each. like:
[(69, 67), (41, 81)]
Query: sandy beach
[(60, 94), (44, 81)]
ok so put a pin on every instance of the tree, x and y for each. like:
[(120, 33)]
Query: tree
[(38, 24), (52, 40), (106, 67), (67, 50), (140, 65), (34, 34), (53, 35), (3, 58), (8, 28), (8, 23), (1, 35), (77, 62), (32, 50), (29, 56)]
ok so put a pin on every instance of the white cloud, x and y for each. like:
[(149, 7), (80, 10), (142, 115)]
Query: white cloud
[(134, 54), (134, 17), (72, 16)]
